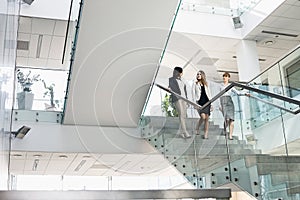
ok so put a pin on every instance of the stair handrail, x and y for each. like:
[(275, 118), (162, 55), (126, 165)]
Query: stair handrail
[(243, 86)]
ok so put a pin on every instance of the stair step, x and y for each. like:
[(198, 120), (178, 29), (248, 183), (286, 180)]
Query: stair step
[(293, 187), (267, 168), (216, 140), (283, 177)]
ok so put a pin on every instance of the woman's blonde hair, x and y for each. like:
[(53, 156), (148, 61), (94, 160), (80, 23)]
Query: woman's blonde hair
[(203, 78)]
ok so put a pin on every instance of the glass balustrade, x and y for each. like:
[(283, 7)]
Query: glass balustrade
[(71, 32), (219, 7), (255, 160), (281, 78)]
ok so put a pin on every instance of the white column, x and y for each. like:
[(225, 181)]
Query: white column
[(247, 60)]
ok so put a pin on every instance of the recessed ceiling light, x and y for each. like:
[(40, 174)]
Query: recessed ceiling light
[(37, 155), (63, 156), (17, 155), (86, 156), (262, 59), (269, 42)]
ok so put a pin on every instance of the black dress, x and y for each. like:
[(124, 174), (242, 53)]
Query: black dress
[(203, 100)]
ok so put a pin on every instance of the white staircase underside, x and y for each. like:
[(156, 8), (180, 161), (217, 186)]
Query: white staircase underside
[(118, 51)]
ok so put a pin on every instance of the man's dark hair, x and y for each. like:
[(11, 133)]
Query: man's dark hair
[(179, 69), (226, 74)]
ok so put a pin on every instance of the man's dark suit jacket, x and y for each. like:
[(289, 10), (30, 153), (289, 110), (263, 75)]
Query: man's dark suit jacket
[(173, 84)]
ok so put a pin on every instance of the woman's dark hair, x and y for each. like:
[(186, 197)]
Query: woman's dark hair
[(203, 78)]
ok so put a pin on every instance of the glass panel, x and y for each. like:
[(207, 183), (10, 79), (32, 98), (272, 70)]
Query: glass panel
[(204, 162), (9, 11), (271, 173), (220, 7), (38, 89), (37, 116), (290, 70), (273, 131), (72, 28), (282, 78), (256, 159), (269, 81)]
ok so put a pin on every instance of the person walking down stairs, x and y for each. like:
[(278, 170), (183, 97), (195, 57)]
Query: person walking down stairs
[(201, 95), (177, 85), (227, 105)]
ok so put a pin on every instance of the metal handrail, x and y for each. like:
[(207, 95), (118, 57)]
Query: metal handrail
[(178, 96), (67, 32), (233, 84)]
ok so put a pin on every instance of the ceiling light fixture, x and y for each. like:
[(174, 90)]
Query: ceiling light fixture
[(63, 156), (259, 59), (39, 46), (80, 165), (17, 155), (86, 156), (269, 42), (35, 164), (279, 33)]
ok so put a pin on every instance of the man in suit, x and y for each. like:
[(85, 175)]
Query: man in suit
[(177, 85)]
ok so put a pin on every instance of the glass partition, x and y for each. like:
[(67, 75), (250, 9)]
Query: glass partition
[(72, 26), (220, 7), (281, 78), (9, 11), (40, 89)]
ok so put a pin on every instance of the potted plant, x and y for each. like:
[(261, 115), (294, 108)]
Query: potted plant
[(168, 108), (25, 98), (50, 92)]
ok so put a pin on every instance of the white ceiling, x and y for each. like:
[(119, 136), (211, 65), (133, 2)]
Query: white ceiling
[(285, 19), (50, 163), (48, 53), (221, 51)]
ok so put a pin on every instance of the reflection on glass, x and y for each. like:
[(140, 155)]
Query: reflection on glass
[(42, 89), (9, 11)]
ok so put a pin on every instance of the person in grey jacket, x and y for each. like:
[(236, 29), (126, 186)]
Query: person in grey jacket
[(177, 85)]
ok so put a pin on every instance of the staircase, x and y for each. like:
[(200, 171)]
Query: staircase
[(217, 162)]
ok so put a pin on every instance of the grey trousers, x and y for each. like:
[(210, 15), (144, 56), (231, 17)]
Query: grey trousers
[(181, 106)]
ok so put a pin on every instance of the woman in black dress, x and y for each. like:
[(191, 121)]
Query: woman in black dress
[(201, 95)]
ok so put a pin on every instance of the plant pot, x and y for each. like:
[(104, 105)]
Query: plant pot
[(25, 100)]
